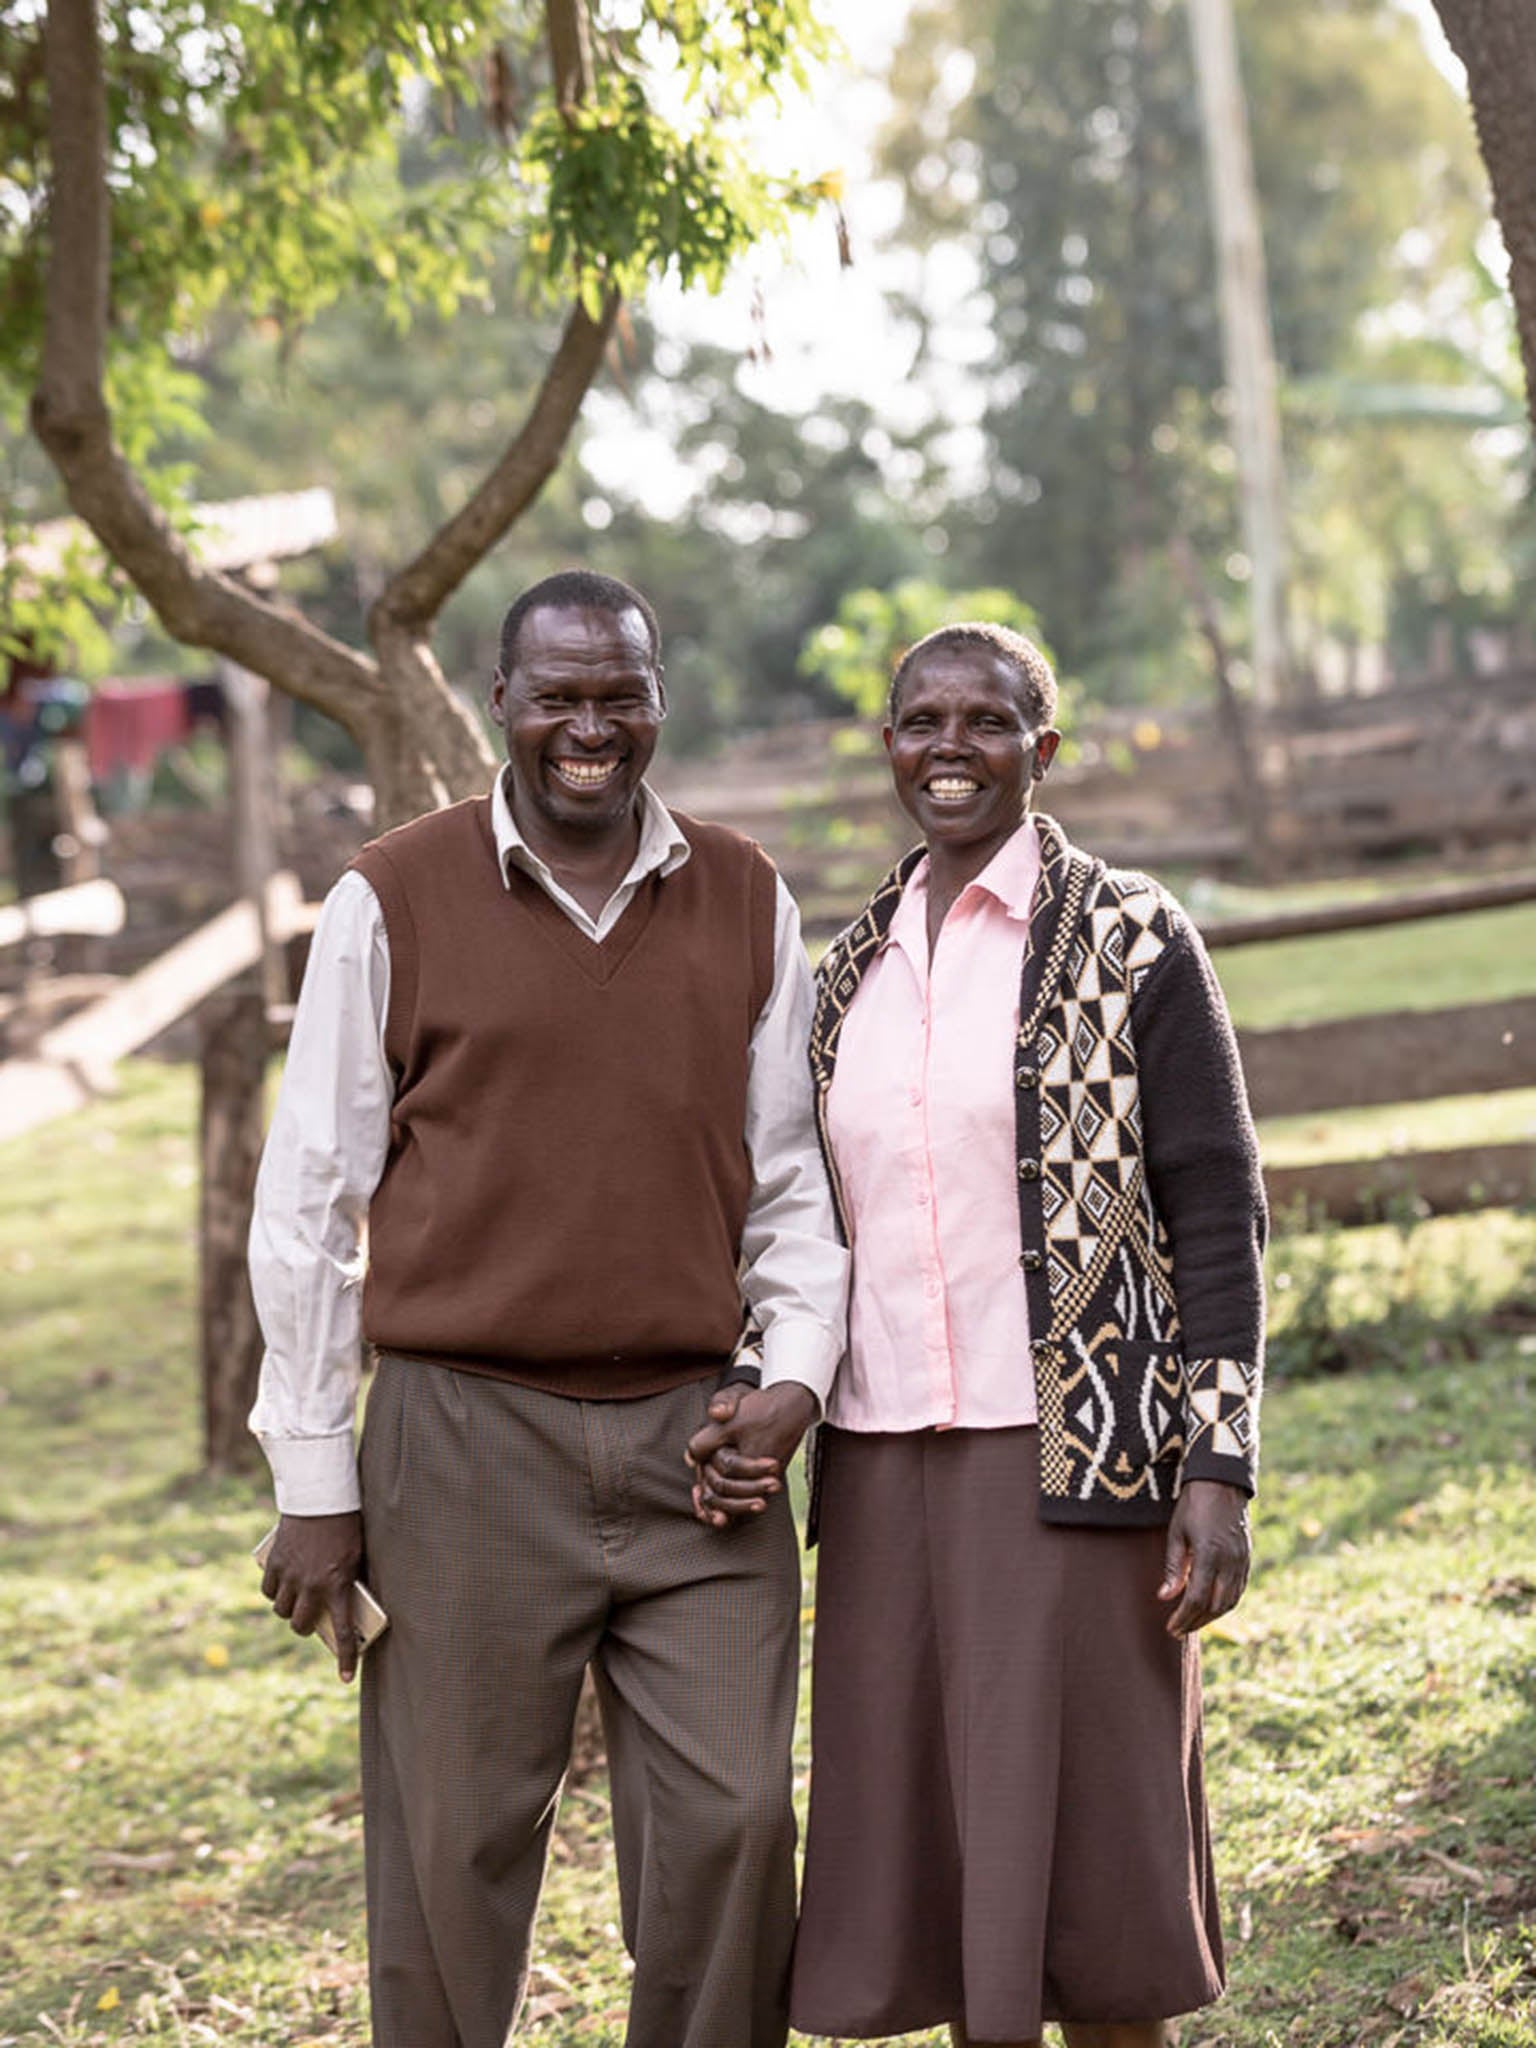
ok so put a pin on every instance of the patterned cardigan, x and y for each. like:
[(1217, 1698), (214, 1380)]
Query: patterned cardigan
[(1141, 1208)]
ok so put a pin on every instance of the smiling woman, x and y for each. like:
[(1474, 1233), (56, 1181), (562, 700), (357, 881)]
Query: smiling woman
[(1037, 1452), (969, 735)]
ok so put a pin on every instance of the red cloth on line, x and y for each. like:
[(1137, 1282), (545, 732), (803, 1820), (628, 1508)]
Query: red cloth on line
[(129, 725)]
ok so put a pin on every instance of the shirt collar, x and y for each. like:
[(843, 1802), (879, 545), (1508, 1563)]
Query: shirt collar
[(1009, 878), (662, 849)]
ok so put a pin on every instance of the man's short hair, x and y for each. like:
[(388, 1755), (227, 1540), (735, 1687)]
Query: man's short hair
[(572, 590), (1032, 672)]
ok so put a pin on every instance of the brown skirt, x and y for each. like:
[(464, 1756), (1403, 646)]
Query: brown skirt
[(1007, 1819)]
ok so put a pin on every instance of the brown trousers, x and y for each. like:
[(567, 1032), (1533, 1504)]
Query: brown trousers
[(514, 1536)]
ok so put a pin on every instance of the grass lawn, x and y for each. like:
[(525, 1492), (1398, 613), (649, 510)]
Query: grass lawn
[(180, 1852), (1437, 964)]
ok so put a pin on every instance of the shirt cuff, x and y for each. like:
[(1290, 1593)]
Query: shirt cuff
[(802, 1351), (314, 1475)]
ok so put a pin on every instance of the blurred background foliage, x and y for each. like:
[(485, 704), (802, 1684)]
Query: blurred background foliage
[(1050, 154)]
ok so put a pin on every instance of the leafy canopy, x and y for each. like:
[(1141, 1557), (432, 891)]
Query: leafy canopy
[(857, 652), (269, 159)]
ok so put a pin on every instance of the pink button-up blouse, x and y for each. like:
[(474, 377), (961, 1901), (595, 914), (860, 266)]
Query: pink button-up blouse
[(921, 1121)]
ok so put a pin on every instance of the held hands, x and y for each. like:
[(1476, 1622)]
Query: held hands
[(741, 1454), (313, 1562), (1209, 1549)]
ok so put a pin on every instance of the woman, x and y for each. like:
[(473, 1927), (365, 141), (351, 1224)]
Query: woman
[(1034, 1474)]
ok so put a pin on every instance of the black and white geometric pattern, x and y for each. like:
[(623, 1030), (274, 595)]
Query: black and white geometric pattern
[(1122, 1414)]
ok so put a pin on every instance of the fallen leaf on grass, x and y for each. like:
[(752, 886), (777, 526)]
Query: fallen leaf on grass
[(1515, 1591), (216, 1657), (109, 2000), (1374, 1841), (122, 1859), (1424, 1887), (545, 2006), (1407, 1996), (1457, 1869)]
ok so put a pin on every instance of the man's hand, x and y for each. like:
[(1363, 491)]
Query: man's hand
[(743, 1451), (1209, 1549), (310, 1569)]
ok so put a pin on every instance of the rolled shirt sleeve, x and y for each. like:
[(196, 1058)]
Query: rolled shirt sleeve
[(323, 1159)]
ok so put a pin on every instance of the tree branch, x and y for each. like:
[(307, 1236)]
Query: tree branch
[(570, 52), (71, 418), (416, 593)]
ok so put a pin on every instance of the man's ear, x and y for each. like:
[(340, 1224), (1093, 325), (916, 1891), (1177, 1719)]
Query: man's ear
[(1045, 752), (497, 700), (661, 689)]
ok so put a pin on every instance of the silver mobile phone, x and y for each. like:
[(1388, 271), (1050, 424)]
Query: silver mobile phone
[(369, 1620)]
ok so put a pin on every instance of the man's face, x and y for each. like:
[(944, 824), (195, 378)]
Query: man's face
[(580, 713), (963, 752)]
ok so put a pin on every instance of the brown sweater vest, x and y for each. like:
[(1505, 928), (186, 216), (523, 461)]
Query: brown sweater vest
[(567, 1177)]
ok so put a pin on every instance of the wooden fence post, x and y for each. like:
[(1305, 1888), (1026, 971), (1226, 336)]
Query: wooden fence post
[(234, 1065)]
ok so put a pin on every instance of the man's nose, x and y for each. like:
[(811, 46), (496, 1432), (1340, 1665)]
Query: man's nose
[(590, 723)]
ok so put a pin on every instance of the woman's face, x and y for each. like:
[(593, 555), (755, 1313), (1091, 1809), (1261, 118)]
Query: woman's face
[(963, 753)]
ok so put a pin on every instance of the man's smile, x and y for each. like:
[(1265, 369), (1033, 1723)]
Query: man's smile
[(584, 774)]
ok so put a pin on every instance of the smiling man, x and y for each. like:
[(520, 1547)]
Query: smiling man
[(551, 1046)]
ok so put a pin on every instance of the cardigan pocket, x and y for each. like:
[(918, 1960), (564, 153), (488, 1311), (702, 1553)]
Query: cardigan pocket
[(1115, 1406)]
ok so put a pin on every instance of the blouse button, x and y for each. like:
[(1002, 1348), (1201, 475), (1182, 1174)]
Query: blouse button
[(1032, 1261), (1028, 1077), (1029, 1169)]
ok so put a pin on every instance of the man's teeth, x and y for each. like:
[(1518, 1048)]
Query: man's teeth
[(584, 774), (952, 788)]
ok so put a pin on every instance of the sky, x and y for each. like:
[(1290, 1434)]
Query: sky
[(828, 331)]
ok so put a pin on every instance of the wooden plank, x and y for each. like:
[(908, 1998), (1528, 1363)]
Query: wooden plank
[(1395, 1056), (1495, 894), (74, 1061), (1354, 1191), (173, 983), (94, 908)]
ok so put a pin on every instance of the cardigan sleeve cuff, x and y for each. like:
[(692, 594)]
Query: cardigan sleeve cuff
[(1221, 1437)]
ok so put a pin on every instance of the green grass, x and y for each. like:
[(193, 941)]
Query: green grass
[(1400, 1127), (180, 1852), (1441, 963)]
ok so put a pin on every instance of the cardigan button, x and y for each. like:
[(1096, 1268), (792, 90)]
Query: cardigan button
[(1029, 1169), (1032, 1261), (1028, 1077)]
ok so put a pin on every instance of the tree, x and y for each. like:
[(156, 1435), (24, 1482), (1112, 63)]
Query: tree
[(164, 163), (1496, 41), (1061, 146)]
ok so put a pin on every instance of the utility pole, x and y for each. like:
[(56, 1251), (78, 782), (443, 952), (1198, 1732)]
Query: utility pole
[(1246, 338)]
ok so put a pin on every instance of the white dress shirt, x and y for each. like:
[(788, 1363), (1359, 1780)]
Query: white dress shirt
[(326, 1150)]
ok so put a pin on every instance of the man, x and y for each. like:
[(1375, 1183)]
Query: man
[(551, 1047)]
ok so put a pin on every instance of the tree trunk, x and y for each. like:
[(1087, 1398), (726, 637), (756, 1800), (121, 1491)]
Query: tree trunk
[(1496, 41), (424, 747)]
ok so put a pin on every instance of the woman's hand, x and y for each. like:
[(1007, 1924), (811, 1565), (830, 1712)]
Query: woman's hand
[(1205, 1566), (743, 1451)]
